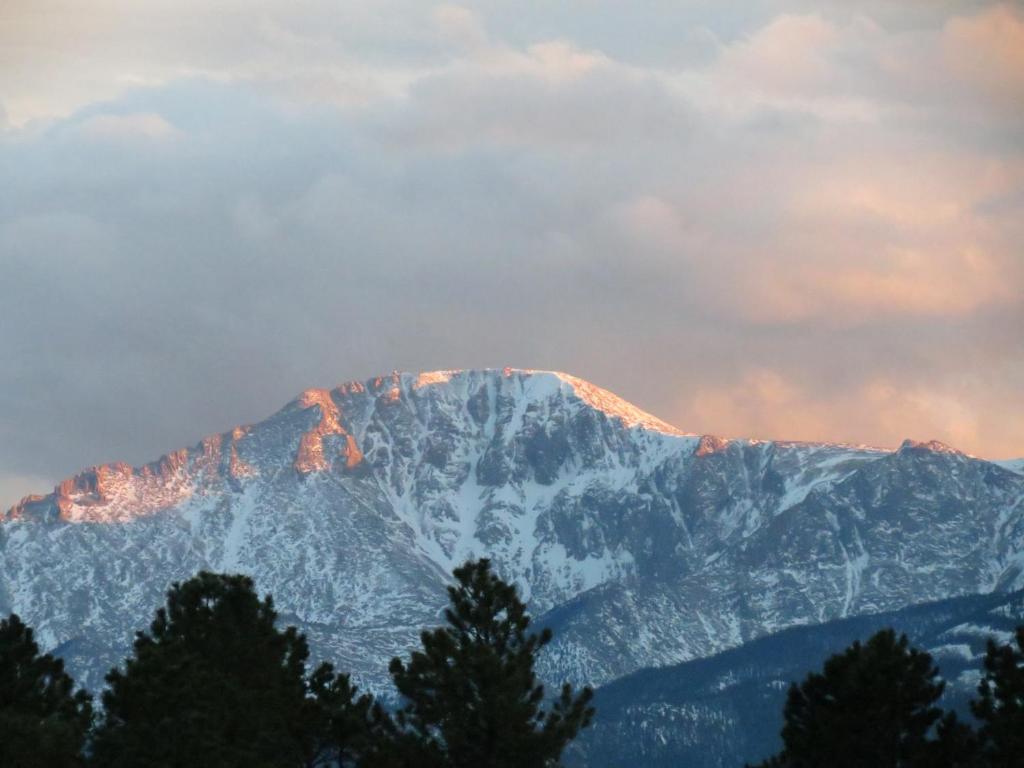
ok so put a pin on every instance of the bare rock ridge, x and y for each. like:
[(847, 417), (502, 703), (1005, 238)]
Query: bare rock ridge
[(117, 491), (641, 544), (933, 446)]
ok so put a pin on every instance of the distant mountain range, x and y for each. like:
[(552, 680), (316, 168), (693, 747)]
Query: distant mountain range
[(726, 710), (643, 546)]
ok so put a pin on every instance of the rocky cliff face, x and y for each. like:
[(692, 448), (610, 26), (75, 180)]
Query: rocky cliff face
[(640, 544), (752, 555)]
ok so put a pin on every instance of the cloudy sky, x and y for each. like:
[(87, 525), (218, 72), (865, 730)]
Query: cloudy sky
[(771, 219)]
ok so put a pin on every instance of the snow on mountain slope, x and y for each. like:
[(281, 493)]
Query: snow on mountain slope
[(1014, 465), (644, 545), (922, 523)]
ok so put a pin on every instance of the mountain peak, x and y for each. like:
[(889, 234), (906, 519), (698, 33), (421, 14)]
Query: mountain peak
[(596, 397), (536, 383), (930, 446), (318, 431)]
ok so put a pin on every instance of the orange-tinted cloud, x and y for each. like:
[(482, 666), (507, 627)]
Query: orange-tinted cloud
[(787, 57), (893, 283), (987, 51)]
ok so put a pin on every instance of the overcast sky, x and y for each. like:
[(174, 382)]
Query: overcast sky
[(774, 219)]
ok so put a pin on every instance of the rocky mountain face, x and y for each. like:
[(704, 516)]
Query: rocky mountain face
[(642, 546), (919, 524)]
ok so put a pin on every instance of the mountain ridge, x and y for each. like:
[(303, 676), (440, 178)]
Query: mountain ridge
[(642, 545), (93, 478)]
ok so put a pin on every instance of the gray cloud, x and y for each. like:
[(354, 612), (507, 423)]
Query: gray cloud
[(790, 231)]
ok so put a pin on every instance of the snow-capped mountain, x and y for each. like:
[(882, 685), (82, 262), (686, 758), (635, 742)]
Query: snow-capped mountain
[(642, 545)]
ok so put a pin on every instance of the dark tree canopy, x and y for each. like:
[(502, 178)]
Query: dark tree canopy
[(213, 683), (1000, 706), (43, 721), (873, 705), (471, 698), (345, 726)]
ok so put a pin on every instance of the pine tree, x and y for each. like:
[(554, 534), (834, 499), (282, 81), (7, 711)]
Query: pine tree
[(955, 745), (873, 704), (344, 725), (215, 683), (43, 721), (471, 698), (1000, 708)]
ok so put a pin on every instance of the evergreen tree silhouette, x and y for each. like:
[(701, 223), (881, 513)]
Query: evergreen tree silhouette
[(1000, 708), (872, 705), (344, 726), (215, 683), (471, 698), (43, 721)]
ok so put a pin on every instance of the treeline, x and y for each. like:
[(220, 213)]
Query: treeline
[(875, 705), (214, 682)]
